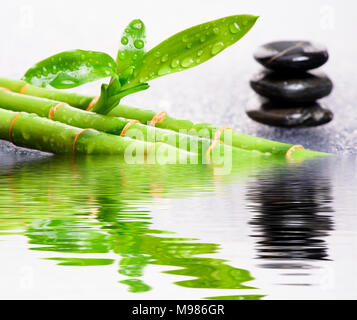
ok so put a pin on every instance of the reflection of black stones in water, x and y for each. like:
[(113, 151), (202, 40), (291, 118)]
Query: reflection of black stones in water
[(287, 115), (290, 216), (291, 55), (302, 87)]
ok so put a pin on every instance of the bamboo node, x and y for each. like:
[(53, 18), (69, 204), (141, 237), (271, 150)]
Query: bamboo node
[(52, 111), (291, 150), (12, 125), (218, 133), (149, 148), (211, 147), (92, 103), (76, 138), (158, 118), (216, 140), (24, 88), (127, 126)]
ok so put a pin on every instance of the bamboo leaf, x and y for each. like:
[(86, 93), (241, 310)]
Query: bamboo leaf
[(132, 47), (192, 47), (70, 69)]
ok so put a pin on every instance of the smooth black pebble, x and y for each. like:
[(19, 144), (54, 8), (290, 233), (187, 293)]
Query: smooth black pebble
[(284, 115), (291, 55), (296, 88)]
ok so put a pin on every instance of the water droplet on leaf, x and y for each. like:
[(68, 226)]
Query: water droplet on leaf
[(185, 38), (218, 47), (144, 79), (175, 63), (124, 41), (165, 58), (137, 25), (199, 53), (139, 44), (164, 70), (234, 27), (187, 62)]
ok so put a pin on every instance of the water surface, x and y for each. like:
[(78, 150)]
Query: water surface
[(95, 227)]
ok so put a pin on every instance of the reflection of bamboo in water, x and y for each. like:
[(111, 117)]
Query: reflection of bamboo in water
[(139, 246), (124, 229), (93, 172), (14, 197), (133, 240), (174, 181), (11, 186)]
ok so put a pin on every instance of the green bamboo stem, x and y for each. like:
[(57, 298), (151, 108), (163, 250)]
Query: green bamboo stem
[(239, 140), (113, 125), (31, 131), (205, 130), (74, 99)]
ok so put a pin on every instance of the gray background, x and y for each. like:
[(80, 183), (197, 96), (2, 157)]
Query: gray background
[(217, 91)]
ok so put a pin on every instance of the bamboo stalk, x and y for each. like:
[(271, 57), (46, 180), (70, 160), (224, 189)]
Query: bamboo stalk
[(64, 113), (31, 131), (74, 99), (239, 140)]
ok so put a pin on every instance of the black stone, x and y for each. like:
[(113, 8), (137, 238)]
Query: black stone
[(291, 55), (284, 115), (296, 88)]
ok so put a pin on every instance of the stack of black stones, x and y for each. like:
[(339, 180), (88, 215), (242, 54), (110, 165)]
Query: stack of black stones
[(287, 89)]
